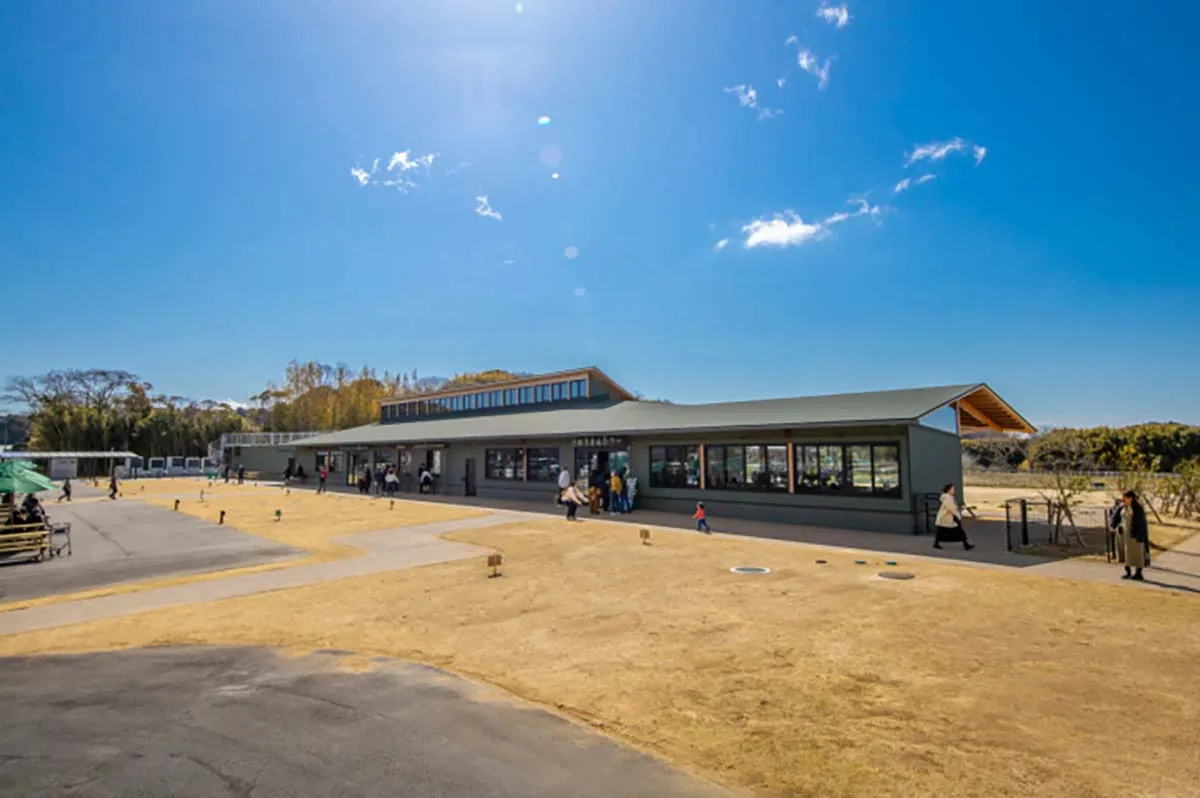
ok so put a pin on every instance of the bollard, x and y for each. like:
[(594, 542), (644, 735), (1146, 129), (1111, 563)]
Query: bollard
[(645, 534), (221, 520), (392, 504), (494, 561), (201, 495), (177, 505), (1024, 522)]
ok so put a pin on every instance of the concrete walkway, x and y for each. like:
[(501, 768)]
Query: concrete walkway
[(384, 550), (1177, 569)]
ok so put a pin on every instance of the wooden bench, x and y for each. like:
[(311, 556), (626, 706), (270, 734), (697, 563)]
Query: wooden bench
[(29, 539)]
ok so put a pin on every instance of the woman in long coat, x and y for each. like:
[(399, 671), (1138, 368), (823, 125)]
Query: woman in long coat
[(948, 526), (1135, 533)]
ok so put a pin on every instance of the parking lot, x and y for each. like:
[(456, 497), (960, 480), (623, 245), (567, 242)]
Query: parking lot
[(121, 541)]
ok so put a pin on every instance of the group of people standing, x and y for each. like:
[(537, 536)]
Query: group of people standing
[(611, 493), (385, 481)]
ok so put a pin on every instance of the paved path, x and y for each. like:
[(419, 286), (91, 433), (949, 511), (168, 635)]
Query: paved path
[(1177, 569), (386, 550), (202, 721)]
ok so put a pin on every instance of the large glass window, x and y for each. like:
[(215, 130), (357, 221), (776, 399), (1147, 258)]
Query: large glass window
[(556, 391), (577, 388), (757, 466), (858, 469), (542, 464), (675, 466), (504, 464)]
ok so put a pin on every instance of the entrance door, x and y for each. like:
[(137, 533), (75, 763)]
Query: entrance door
[(469, 478)]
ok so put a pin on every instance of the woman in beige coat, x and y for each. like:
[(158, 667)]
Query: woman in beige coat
[(1135, 532), (948, 526)]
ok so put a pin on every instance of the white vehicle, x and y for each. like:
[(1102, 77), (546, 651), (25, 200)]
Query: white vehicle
[(192, 467), (176, 466), (210, 468), (158, 467)]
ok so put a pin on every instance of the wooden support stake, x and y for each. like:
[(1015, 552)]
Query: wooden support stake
[(645, 534), (494, 562)]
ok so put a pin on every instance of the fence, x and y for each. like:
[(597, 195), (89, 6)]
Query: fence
[(263, 438)]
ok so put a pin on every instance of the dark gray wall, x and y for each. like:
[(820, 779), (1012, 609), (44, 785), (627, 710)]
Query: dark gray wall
[(935, 458)]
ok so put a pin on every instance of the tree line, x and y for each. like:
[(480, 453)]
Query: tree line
[(1159, 447), (115, 410)]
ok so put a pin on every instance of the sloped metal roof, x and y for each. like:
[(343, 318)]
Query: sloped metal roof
[(630, 417)]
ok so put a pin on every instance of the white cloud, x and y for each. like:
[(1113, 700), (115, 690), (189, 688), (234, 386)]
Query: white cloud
[(781, 230), (835, 15), (580, 291), (483, 208), (938, 150), (818, 69), (361, 175), (909, 182), (780, 81), (405, 161), (720, 245), (747, 97), (791, 40)]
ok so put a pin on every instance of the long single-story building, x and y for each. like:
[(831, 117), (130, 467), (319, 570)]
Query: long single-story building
[(860, 461)]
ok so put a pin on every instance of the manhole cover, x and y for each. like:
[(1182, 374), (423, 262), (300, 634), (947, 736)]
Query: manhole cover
[(749, 569), (895, 575)]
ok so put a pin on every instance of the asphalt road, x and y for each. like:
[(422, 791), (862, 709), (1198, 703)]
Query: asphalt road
[(124, 541), (240, 722)]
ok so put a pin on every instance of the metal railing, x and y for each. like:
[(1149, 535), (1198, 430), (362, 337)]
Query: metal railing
[(263, 438)]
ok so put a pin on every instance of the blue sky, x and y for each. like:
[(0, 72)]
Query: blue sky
[(178, 180)]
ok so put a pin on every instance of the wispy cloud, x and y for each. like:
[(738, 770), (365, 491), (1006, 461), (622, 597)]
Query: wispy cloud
[(809, 62), (397, 172), (720, 245), (405, 162), (580, 292), (780, 82), (747, 97), (838, 16), (908, 183), (938, 150), (788, 229), (483, 208)]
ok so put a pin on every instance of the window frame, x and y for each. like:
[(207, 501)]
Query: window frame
[(553, 469), (801, 469), (687, 450), (517, 456), (744, 482)]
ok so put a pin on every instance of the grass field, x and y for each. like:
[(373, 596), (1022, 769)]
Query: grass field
[(818, 680)]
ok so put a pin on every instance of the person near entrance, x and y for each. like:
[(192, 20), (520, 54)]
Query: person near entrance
[(66, 494), (113, 490), (564, 480), (615, 503), (572, 497), (322, 475), (948, 526)]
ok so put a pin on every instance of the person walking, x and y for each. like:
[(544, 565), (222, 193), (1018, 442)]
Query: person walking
[(112, 486), (564, 482), (391, 482), (948, 526), (241, 472), (1135, 532), (322, 475), (66, 494), (701, 519)]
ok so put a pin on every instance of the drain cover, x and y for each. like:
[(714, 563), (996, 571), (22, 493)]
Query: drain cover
[(895, 575), (749, 569)]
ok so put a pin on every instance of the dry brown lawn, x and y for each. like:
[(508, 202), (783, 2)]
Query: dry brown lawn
[(309, 522), (816, 680)]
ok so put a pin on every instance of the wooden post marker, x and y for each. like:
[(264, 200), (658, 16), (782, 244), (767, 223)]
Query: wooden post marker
[(645, 533), (278, 514), (221, 520), (201, 495), (392, 504), (177, 505), (494, 562)]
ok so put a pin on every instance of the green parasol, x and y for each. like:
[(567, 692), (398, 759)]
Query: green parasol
[(17, 476)]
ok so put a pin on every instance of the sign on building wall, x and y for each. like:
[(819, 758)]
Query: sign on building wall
[(603, 442), (64, 467)]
